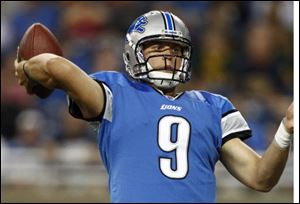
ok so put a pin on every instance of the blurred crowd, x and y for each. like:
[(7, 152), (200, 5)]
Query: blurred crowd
[(242, 50)]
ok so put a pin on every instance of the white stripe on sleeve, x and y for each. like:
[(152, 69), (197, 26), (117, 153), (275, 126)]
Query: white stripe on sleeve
[(108, 108), (233, 122)]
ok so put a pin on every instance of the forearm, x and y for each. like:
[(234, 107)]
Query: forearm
[(37, 69), (271, 166), (51, 71), (274, 160), (260, 173)]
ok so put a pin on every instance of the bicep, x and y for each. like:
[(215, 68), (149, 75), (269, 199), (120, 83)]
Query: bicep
[(90, 102), (240, 160), (81, 88)]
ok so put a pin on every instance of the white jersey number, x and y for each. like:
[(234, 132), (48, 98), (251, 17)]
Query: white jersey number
[(180, 146)]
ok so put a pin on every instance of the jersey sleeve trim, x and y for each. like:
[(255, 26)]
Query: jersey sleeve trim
[(242, 135), (75, 111), (229, 112), (233, 122), (107, 110), (100, 116)]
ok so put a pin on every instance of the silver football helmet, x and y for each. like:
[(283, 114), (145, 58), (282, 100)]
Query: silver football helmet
[(157, 26)]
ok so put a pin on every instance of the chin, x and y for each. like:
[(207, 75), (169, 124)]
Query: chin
[(165, 86)]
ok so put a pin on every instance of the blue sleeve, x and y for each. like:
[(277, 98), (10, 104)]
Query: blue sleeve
[(110, 83), (111, 79), (233, 123)]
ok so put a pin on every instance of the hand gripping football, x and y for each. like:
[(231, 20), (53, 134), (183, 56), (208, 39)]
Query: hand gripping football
[(37, 39)]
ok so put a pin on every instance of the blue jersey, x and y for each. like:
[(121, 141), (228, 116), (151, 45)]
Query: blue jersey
[(161, 149)]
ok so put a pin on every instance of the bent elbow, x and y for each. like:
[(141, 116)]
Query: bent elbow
[(264, 187)]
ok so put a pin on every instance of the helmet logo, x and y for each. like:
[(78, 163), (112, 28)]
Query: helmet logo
[(137, 26)]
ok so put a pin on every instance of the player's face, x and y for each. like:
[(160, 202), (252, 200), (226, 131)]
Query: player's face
[(167, 62)]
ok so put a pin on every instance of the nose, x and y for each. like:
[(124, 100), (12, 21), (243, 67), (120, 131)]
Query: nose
[(168, 54)]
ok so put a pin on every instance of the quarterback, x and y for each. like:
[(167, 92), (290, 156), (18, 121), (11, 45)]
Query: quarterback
[(159, 145)]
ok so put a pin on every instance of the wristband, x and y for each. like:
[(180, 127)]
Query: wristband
[(282, 137)]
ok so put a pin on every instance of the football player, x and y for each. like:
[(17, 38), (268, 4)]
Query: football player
[(159, 145)]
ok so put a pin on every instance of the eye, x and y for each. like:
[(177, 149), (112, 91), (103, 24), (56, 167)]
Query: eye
[(176, 49), (157, 47)]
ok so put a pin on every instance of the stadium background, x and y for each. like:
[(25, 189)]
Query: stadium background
[(243, 50)]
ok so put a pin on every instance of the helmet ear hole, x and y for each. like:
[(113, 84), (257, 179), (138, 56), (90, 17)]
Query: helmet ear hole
[(127, 56)]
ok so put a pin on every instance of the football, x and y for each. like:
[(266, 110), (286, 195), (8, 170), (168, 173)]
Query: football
[(38, 39)]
